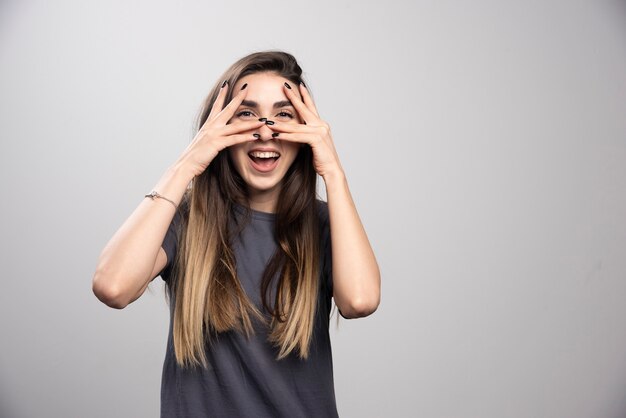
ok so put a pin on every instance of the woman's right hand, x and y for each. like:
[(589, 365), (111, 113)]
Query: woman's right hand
[(216, 134)]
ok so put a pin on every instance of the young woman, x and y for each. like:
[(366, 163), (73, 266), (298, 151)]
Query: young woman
[(235, 229)]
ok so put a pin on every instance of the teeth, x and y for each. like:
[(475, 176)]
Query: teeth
[(267, 154)]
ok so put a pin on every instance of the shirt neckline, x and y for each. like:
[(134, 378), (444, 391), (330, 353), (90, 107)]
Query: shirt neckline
[(255, 214)]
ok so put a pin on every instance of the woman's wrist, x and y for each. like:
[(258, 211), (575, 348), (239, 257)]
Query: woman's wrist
[(174, 182), (334, 175), (182, 169)]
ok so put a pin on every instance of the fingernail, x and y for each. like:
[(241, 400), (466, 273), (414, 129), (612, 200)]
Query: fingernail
[(257, 136), (269, 122), (288, 86), (302, 82), (224, 83), (244, 86), (275, 134), (262, 119)]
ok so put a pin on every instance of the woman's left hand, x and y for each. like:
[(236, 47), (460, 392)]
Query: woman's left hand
[(314, 131)]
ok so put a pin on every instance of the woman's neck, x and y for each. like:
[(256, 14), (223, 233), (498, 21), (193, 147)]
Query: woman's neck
[(264, 201)]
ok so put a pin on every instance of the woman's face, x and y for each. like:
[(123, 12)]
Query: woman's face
[(263, 163)]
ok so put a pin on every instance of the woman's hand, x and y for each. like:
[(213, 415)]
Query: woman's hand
[(216, 134), (314, 132)]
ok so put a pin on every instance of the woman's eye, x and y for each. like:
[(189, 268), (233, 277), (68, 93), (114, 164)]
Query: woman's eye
[(244, 114), (285, 115)]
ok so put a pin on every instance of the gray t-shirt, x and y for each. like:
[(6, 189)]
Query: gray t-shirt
[(244, 379)]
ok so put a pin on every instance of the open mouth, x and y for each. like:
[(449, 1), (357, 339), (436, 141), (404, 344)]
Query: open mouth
[(264, 160)]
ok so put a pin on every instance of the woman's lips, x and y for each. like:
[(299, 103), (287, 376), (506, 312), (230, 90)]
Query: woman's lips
[(263, 165)]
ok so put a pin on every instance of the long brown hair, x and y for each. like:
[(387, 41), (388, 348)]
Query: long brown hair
[(208, 296)]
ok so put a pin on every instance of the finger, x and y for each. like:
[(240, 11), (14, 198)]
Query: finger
[(219, 101), (227, 113), (308, 100), (231, 140), (297, 137), (305, 113), (292, 127), (235, 128)]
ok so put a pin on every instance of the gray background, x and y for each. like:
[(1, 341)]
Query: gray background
[(485, 147)]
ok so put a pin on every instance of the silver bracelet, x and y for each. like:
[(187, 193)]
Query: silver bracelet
[(154, 194)]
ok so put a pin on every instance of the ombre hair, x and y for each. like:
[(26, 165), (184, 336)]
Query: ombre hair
[(207, 294)]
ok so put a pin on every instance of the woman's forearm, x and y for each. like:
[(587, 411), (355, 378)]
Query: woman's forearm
[(356, 277), (125, 265)]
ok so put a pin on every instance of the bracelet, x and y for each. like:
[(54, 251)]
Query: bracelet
[(154, 194)]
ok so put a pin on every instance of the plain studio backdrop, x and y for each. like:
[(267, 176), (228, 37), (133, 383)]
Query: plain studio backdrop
[(484, 144)]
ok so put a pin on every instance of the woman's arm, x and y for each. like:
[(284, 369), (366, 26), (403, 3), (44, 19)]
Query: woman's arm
[(356, 277), (133, 257)]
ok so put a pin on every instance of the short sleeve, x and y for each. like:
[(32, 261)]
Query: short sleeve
[(170, 244), (326, 247)]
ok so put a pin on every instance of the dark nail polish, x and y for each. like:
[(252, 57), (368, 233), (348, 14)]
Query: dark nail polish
[(224, 83), (275, 134), (257, 136), (244, 86), (302, 82), (288, 86), (263, 120), (269, 122)]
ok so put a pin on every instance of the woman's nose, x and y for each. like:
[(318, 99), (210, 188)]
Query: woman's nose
[(266, 133)]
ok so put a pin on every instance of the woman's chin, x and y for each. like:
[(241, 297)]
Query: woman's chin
[(256, 186)]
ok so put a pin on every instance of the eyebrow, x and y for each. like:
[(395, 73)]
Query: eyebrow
[(251, 103)]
